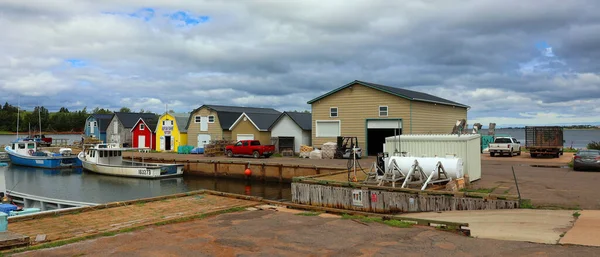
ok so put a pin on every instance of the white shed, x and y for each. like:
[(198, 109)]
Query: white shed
[(292, 129), (465, 146)]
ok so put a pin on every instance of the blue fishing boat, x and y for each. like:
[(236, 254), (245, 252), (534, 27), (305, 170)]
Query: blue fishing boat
[(27, 153)]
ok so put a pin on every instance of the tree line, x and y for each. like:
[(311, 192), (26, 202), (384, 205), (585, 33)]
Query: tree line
[(61, 121)]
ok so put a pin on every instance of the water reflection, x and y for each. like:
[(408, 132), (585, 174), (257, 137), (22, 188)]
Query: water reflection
[(80, 185)]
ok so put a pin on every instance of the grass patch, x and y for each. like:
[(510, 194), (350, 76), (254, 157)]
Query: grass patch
[(506, 191), (526, 204), (140, 204), (563, 234), (479, 190), (570, 164), (276, 155), (576, 214), (308, 213), (113, 233), (365, 219)]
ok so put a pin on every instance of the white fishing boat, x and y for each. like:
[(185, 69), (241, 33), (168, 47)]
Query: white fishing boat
[(108, 159)]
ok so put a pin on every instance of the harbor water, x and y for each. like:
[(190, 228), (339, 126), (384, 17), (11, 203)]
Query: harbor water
[(84, 186), (575, 138)]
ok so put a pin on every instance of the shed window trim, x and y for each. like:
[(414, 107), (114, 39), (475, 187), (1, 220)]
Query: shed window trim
[(324, 133), (211, 118), (197, 119), (383, 111), (333, 112), (142, 126)]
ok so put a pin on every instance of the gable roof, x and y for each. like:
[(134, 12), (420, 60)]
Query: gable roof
[(103, 121), (129, 119), (400, 92), (302, 119), (150, 123), (228, 115), (181, 118), (261, 121)]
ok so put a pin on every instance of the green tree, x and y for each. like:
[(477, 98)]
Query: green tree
[(124, 109)]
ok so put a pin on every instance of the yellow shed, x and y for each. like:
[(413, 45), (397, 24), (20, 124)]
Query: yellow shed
[(171, 132)]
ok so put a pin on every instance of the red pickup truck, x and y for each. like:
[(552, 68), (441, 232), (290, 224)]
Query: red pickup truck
[(249, 148)]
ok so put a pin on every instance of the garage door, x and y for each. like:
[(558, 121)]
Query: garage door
[(245, 137), (384, 124), (328, 128), (378, 130)]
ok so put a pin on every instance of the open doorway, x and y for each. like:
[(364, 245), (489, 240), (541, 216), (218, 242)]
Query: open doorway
[(168, 143)]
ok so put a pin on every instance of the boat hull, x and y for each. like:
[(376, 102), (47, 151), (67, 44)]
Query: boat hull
[(48, 162), (149, 172)]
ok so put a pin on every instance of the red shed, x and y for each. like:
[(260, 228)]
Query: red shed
[(143, 133)]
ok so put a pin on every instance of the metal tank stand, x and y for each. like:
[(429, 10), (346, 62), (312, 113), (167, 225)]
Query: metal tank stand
[(392, 174), (416, 176)]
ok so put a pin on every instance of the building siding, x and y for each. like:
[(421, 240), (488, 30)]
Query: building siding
[(429, 118), (214, 129), (178, 138), (122, 135), (355, 106), (286, 127), (149, 141), (246, 127)]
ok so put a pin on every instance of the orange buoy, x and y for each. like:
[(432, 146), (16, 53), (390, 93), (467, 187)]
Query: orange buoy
[(248, 172)]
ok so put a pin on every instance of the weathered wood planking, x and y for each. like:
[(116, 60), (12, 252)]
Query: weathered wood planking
[(380, 201)]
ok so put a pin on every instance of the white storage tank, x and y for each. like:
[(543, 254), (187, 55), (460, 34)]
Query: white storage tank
[(453, 166), (467, 147)]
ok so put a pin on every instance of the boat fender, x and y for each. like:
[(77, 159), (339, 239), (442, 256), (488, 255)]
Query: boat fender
[(30, 152)]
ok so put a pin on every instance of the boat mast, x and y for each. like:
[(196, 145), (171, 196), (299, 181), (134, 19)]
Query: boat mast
[(40, 121), (18, 115)]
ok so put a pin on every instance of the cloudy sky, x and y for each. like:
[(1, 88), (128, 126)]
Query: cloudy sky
[(514, 62)]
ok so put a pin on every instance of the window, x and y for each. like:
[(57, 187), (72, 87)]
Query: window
[(119, 153), (328, 128), (333, 112), (197, 119), (163, 122), (245, 143), (101, 154), (142, 126), (383, 111), (21, 146), (110, 154), (255, 142), (30, 146), (238, 144), (116, 127), (211, 119)]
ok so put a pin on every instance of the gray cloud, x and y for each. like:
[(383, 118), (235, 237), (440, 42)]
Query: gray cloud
[(487, 54)]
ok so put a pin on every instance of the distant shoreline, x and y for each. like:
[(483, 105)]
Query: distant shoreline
[(43, 133)]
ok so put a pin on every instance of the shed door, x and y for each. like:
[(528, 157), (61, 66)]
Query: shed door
[(141, 141), (162, 143), (92, 127), (203, 139), (203, 123), (245, 137)]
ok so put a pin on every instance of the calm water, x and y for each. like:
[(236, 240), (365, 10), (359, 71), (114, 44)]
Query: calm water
[(84, 186), (6, 139), (573, 138)]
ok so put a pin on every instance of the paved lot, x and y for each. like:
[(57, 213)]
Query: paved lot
[(586, 230), (546, 186), (538, 226), (117, 218), (271, 233)]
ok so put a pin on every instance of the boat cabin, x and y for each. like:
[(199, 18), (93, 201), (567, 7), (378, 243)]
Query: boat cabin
[(105, 154), (24, 148)]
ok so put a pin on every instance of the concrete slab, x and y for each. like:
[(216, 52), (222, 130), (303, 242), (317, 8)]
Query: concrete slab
[(586, 230), (539, 226), (11, 240)]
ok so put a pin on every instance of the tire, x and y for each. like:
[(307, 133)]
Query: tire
[(557, 155), (533, 155), (519, 152), (512, 153), (492, 154), (256, 154), (229, 153)]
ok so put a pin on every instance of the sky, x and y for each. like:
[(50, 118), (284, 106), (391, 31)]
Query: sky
[(513, 62)]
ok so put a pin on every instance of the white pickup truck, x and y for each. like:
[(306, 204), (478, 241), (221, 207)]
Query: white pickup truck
[(505, 145)]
